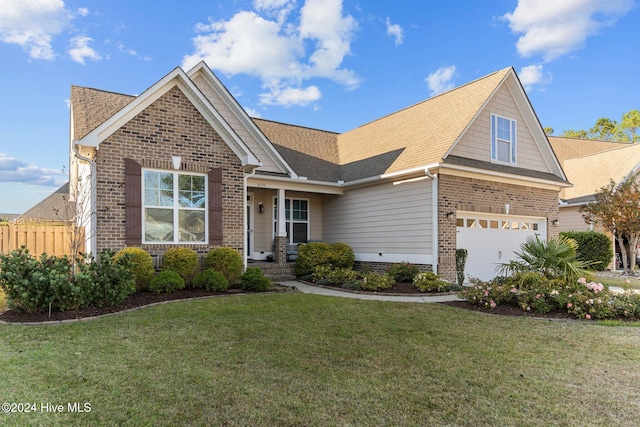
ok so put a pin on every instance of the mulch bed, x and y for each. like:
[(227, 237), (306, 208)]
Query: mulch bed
[(139, 299)]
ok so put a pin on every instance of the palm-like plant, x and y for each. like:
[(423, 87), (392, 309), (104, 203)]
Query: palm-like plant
[(554, 258)]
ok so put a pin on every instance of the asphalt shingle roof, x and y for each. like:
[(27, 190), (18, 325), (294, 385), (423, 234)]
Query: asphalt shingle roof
[(56, 207)]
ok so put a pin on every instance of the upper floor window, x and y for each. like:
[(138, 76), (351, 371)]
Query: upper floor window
[(503, 139), (174, 207)]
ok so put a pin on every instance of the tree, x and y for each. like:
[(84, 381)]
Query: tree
[(580, 134), (617, 208), (605, 130), (548, 131), (630, 124)]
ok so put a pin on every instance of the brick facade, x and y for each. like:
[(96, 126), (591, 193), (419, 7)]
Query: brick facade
[(474, 195), (170, 126)]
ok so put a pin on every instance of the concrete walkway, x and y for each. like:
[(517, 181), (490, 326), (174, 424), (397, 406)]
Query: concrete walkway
[(318, 290)]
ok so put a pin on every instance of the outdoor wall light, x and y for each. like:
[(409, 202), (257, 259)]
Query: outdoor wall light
[(450, 215), (555, 222), (260, 207)]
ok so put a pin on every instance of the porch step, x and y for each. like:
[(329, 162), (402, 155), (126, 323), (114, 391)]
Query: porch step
[(275, 272)]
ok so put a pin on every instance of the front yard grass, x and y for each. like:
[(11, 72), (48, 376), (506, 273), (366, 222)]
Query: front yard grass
[(295, 359), (634, 282)]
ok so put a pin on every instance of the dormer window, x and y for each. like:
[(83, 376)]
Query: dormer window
[(503, 139)]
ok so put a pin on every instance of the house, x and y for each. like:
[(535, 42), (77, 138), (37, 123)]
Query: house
[(54, 209), (589, 166), (183, 164)]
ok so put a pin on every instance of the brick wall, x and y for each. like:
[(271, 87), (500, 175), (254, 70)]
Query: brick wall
[(171, 126), (473, 195)]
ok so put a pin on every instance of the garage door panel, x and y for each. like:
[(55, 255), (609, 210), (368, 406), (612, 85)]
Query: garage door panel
[(492, 240)]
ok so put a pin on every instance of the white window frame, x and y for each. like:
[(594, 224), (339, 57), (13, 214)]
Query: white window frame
[(291, 221), (176, 208), (513, 130)]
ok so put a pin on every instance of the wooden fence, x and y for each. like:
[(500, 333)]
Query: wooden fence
[(52, 239)]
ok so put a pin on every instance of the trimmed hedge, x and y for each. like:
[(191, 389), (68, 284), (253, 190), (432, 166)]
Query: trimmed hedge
[(183, 261), (227, 261), (141, 265), (166, 282), (592, 247), (312, 255), (254, 280), (211, 280)]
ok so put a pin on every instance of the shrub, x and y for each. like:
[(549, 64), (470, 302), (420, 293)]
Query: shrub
[(211, 280), (375, 281), (113, 281), (141, 265), (593, 248), (341, 255), (166, 281), (336, 276), (428, 281), (461, 262), (311, 255), (183, 261), (403, 272), (254, 280), (227, 261)]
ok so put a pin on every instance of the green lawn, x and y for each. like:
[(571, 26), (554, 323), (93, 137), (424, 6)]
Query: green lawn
[(295, 359), (634, 282)]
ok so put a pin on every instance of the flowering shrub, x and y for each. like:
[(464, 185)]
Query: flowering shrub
[(333, 276), (374, 281), (428, 281), (534, 292)]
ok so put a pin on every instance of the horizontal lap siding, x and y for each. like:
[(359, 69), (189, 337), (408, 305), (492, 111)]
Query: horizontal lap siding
[(382, 218)]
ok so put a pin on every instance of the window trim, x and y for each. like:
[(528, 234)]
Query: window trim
[(175, 208), (290, 220), (513, 129)]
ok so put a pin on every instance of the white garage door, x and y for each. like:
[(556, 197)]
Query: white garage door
[(492, 239)]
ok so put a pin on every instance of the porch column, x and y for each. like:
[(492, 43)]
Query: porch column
[(280, 241)]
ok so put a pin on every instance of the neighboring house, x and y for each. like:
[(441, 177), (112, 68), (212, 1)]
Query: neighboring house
[(56, 208), (183, 164), (589, 166)]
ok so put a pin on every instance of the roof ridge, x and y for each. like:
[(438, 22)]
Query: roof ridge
[(433, 97), (104, 91), (294, 125)]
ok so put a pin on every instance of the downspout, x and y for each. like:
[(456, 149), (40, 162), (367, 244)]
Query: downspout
[(246, 219), (93, 212), (434, 221)]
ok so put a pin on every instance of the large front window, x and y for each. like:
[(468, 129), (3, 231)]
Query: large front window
[(296, 219), (503, 139), (174, 207)]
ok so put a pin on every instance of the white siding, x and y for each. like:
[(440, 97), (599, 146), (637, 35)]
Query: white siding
[(268, 163), (476, 142), (392, 220)]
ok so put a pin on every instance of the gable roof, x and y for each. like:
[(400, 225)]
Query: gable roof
[(571, 148), (56, 207), (239, 115), (425, 131), (92, 107), (591, 172), (176, 78), (313, 153)]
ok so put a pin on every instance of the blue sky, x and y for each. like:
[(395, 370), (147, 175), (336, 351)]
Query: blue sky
[(327, 64)]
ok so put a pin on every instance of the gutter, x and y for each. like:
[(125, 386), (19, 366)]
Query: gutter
[(92, 214)]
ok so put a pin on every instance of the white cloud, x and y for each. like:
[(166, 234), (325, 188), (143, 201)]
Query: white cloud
[(80, 50), (533, 75), (252, 112), (275, 50), (83, 11), (555, 28), (32, 24), (16, 170), (441, 80), (290, 96), (395, 31)]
